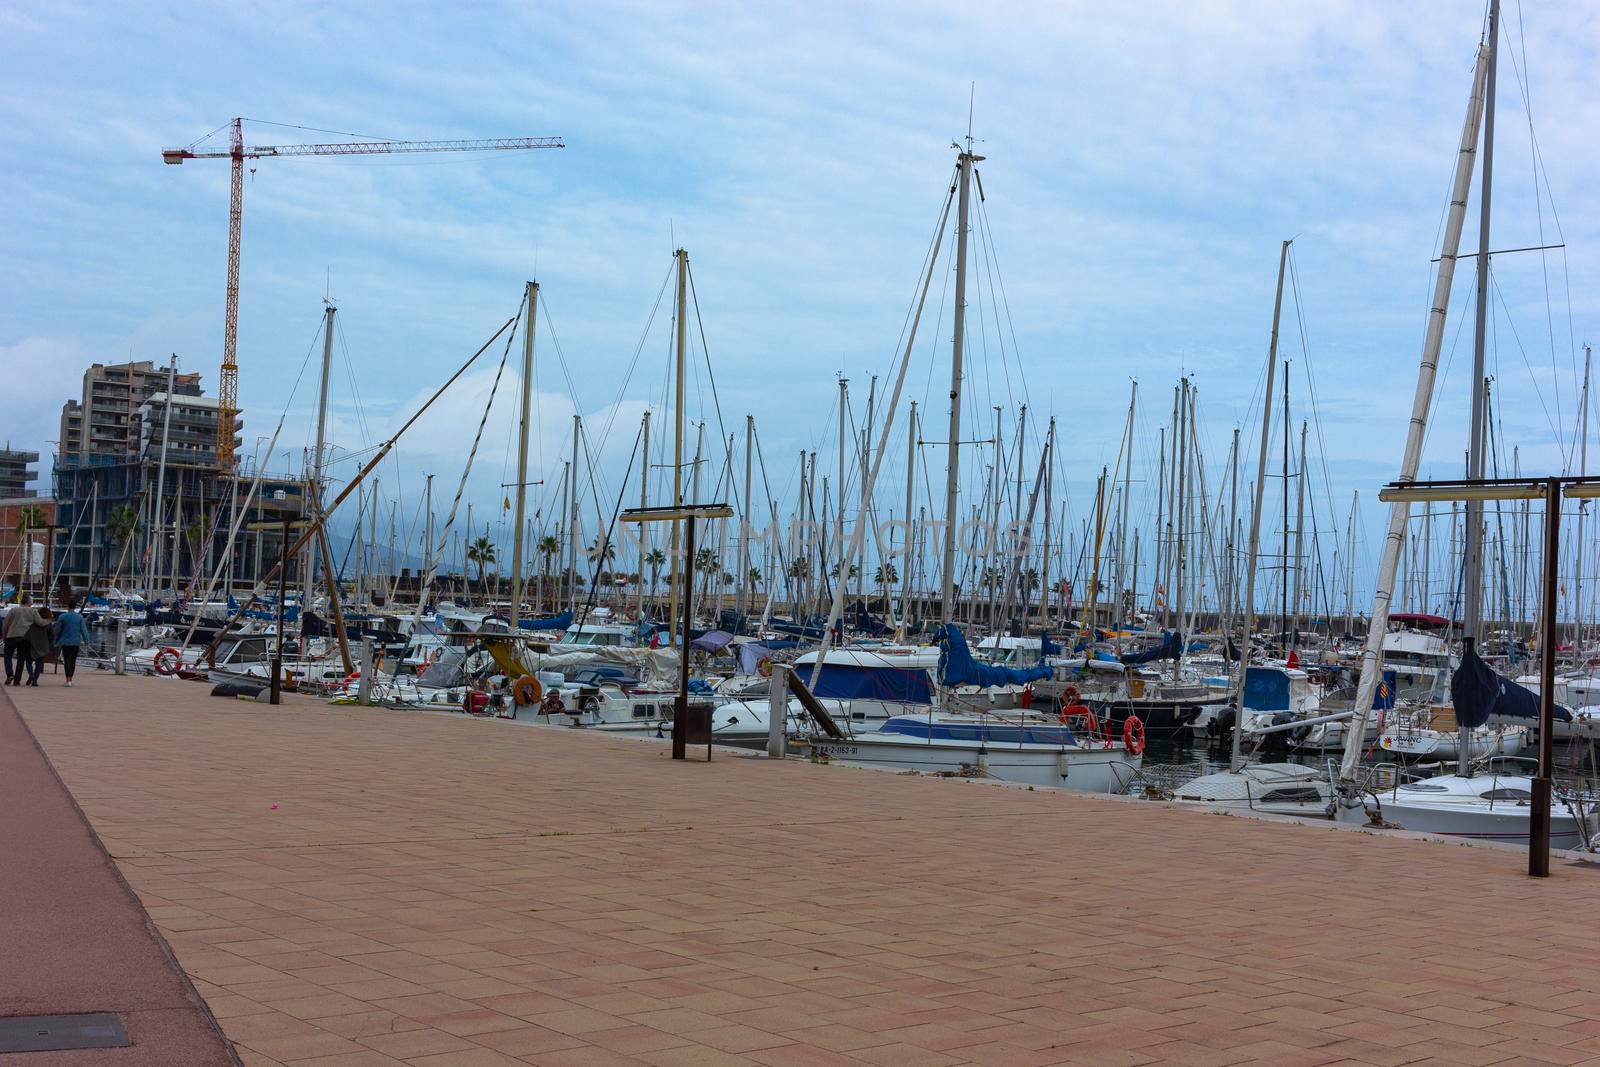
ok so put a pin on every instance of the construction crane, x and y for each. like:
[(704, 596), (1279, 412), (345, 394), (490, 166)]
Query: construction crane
[(238, 152)]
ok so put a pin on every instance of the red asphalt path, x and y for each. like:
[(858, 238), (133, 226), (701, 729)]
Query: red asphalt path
[(73, 938)]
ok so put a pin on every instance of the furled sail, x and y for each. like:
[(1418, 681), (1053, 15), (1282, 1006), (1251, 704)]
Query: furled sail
[(1478, 692), (957, 667)]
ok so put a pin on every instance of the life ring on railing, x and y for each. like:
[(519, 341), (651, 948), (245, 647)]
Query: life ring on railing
[(167, 662), (764, 666), (553, 704), (526, 690), (1133, 735), (1070, 696), (1081, 711)]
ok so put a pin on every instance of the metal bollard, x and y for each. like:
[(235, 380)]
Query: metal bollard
[(778, 713), (364, 687), (121, 665)]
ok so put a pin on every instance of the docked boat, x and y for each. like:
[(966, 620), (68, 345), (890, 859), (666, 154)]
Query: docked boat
[(1483, 807)]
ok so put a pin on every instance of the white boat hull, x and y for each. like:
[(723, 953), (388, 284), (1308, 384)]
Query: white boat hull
[(1085, 769)]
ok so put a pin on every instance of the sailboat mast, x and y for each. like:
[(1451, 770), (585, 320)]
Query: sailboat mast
[(161, 482), (947, 594), (911, 492), (682, 326), (1258, 498), (748, 510), (1044, 555), (1400, 510), (524, 422), (1299, 538), (572, 518)]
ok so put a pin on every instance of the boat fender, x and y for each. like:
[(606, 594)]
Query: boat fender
[(526, 690), (1133, 735), (167, 662)]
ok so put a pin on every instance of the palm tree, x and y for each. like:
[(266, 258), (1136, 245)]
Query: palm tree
[(122, 525), (709, 566), (655, 559), (548, 548), (601, 552), (481, 552), (885, 576), (754, 577)]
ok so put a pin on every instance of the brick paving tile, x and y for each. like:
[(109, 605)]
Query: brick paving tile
[(433, 890)]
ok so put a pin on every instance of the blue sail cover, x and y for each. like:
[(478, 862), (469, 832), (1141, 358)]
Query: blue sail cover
[(1048, 647), (957, 667), (1167, 648), (1478, 692), (1266, 689), (555, 622), (896, 685)]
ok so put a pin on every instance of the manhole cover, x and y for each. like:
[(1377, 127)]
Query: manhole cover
[(45, 1033)]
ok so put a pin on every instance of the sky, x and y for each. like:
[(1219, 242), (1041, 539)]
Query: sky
[(1143, 164)]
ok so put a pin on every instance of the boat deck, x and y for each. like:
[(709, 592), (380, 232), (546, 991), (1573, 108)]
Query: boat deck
[(434, 890)]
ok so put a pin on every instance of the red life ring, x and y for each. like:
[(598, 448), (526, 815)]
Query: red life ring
[(1080, 711), (350, 679), (1070, 696), (1133, 735), (167, 662)]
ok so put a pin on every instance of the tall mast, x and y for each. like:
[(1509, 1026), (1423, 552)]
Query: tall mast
[(1283, 577), (644, 502), (572, 518), (1233, 522), (1473, 545), (1180, 506), (1044, 556), (1400, 510), (427, 542), (947, 594), (1583, 470), (161, 479), (911, 492), (1127, 493), (1258, 498), (748, 512), (838, 519), (524, 422), (1473, 580), (682, 328), (1299, 538)]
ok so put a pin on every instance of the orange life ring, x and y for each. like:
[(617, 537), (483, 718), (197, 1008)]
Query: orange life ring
[(1080, 711), (526, 690), (764, 666), (167, 662), (1070, 696), (1133, 735)]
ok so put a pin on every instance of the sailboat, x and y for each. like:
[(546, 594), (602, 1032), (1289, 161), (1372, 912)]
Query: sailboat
[(1466, 803)]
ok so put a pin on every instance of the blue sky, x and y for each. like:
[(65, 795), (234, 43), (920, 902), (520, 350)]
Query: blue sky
[(1144, 161)]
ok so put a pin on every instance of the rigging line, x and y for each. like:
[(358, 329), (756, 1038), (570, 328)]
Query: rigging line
[(1525, 86), (983, 266), (638, 350), (997, 284), (711, 377), (1443, 376), (1311, 382), (1560, 443), (466, 471), (603, 541)]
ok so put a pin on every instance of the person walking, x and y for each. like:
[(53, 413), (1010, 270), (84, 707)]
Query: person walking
[(39, 644), (69, 632), (19, 620)]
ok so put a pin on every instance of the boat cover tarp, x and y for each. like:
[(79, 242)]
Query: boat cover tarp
[(1478, 692), (751, 653), (713, 642), (1383, 694), (896, 685), (981, 730), (445, 672), (1048, 647), (1166, 648), (1266, 689), (554, 622), (957, 667)]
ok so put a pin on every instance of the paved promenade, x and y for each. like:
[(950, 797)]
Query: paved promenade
[(442, 892)]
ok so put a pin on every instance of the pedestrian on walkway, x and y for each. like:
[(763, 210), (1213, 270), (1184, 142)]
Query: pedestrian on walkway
[(19, 620), (69, 631), (39, 644)]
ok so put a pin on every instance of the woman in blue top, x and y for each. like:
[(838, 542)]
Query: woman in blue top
[(69, 631)]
